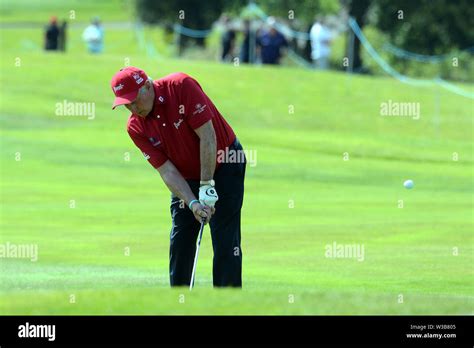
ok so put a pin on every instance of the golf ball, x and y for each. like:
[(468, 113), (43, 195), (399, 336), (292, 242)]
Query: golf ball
[(408, 184)]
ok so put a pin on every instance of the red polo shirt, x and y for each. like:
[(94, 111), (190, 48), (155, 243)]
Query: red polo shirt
[(167, 133)]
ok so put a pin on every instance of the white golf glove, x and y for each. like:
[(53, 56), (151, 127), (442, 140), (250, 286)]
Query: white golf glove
[(208, 195)]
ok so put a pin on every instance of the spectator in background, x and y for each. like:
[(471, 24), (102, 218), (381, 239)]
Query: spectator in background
[(269, 45), (245, 47), (62, 36), (93, 35), (307, 45), (228, 40), (51, 35), (321, 38)]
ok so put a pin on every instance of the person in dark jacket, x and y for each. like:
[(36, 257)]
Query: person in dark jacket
[(270, 45), (51, 35)]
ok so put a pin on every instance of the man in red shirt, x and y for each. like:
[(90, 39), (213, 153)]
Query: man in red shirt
[(181, 133)]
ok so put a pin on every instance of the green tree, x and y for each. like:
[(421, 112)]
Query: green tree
[(194, 14), (427, 26), (303, 10)]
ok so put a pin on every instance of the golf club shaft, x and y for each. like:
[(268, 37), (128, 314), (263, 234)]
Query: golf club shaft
[(196, 255)]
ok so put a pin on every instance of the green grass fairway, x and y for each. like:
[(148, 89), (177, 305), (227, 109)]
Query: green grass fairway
[(301, 195), (33, 11)]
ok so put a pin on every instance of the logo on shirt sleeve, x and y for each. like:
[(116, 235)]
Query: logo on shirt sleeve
[(146, 155), (199, 108)]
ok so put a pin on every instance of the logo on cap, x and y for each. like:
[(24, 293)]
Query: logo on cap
[(137, 78), (118, 88)]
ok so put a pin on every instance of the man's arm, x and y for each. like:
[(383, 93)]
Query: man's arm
[(175, 182), (207, 150), (177, 185), (200, 120)]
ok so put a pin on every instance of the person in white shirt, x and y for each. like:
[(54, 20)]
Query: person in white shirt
[(321, 38), (93, 35)]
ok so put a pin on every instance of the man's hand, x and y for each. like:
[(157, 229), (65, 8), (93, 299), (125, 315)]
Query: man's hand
[(208, 196), (201, 211), (176, 183)]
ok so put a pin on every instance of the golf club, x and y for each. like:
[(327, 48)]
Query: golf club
[(198, 244)]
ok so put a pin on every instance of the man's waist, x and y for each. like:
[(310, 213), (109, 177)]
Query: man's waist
[(234, 144)]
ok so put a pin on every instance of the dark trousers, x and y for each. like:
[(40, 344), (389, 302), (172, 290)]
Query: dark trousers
[(224, 224)]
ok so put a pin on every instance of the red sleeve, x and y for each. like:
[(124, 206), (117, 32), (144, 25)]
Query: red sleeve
[(154, 155), (197, 105)]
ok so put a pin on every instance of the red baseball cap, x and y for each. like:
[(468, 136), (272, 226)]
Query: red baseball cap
[(126, 83)]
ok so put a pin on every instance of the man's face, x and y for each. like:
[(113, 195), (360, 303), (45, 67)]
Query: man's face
[(143, 104)]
